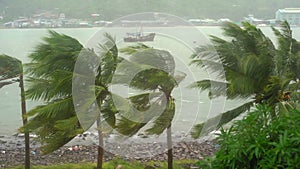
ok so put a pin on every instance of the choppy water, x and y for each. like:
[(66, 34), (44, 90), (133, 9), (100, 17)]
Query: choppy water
[(192, 107)]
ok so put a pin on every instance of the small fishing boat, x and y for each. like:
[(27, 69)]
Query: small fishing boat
[(139, 37)]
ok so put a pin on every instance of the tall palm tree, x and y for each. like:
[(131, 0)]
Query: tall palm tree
[(100, 67), (51, 78), (11, 71), (255, 69), (50, 81), (153, 72)]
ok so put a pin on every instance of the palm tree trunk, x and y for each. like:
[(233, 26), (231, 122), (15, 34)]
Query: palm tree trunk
[(24, 118), (100, 146), (170, 153)]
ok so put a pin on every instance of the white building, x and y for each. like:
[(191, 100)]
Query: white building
[(291, 15)]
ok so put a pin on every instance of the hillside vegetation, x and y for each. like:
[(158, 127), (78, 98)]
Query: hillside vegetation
[(109, 10)]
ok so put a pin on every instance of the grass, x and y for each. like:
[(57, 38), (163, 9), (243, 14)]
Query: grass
[(62, 166), (178, 164)]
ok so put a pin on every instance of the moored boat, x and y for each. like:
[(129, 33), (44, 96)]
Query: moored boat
[(139, 37)]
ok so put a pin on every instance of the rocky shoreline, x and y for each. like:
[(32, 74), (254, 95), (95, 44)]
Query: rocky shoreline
[(12, 152)]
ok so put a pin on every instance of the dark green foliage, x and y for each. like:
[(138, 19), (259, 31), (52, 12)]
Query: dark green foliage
[(56, 48), (51, 69), (51, 74), (109, 60), (257, 141), (218, 121), (164, 120), (246, 59), (9, 68), (50, 80), (147, 80), (140, 110), (249, 67), (150, 70)]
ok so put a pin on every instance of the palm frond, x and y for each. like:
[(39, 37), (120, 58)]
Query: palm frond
[(131, 120), (57, 48), (128, 127), (164, 120), (53, 110), (245, 59), (9, 67), (50, 88), (130, 50), (65, 131), (53, 133), (109, 111), (159, 59), (125, 71), (217, 121), (151, 79), (215, 88), (140, 110)]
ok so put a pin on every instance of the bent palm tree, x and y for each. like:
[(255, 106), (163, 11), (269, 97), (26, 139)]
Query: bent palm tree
[(50, 81), (10, 70), (149, 70), (96, 72), (254, 69), (51, 76)]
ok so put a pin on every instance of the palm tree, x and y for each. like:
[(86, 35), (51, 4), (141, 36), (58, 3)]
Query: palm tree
[(254, 69), (11, 71), (100, 67), (49, 80), (52, 76), (149, 70)]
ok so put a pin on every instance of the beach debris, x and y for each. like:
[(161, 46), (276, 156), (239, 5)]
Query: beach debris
[(73, 148)]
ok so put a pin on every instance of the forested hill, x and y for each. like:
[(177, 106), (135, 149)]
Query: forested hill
[(112, 9)]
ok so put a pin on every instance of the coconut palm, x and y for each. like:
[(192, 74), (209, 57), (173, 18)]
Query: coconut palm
[(152, 72), (11, 71), (50, 81), (51, 77), (255, 69), (102, 67)]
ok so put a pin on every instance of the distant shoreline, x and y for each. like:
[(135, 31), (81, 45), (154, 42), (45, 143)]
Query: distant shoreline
[(179, 26)]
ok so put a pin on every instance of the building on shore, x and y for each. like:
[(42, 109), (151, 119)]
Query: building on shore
[(255, 21), (291, 15)]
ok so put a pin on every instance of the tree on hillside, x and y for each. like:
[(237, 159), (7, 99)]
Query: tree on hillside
[(254, 69), (11, 71), (152, 72)]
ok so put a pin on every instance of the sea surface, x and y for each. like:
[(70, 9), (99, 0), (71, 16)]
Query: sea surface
[(191, 106)]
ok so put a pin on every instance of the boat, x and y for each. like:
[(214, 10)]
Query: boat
[(139, 36)]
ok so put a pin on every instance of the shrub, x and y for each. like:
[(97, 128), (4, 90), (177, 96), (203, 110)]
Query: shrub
[(257, 141)]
